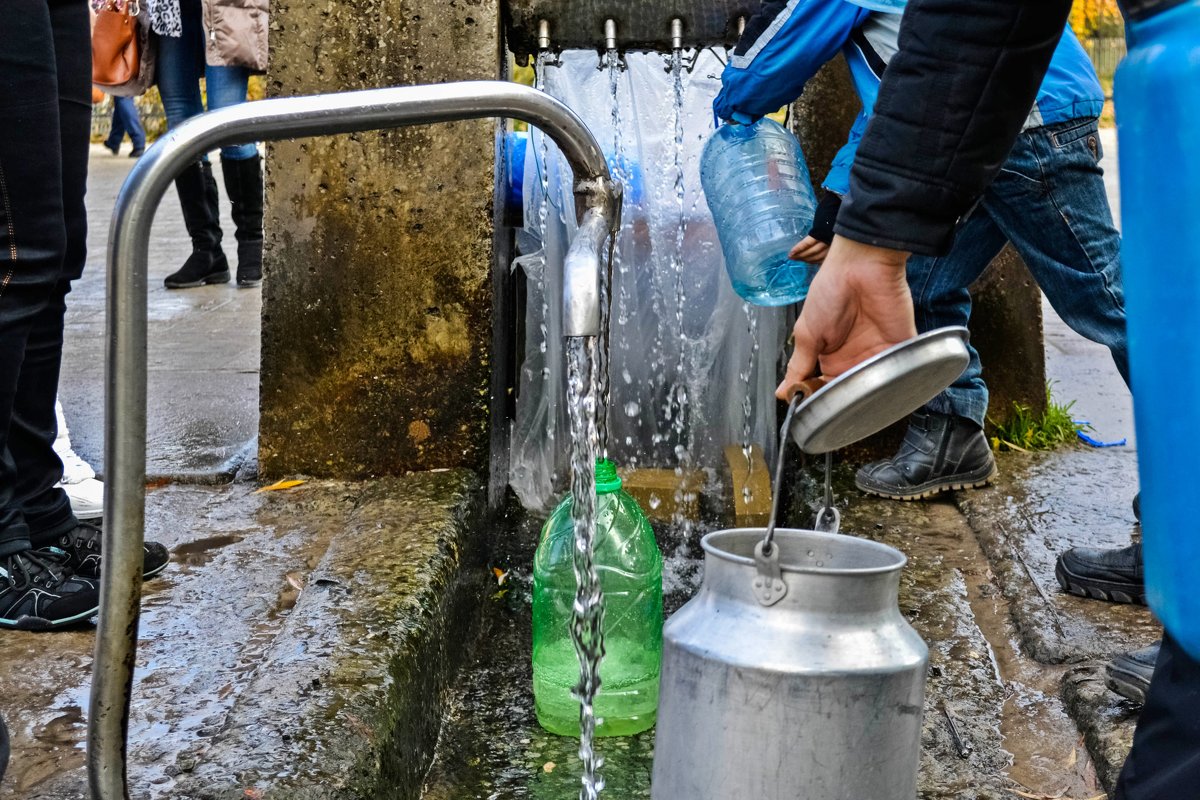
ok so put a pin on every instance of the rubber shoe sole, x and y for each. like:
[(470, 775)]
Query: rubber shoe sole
[(216, 277), (27, 623), (1110, 591), (1127, 683), (970, 480)]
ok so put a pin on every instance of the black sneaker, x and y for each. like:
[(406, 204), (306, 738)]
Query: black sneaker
[(38, 592), (1129, 673), (82, 545), (940, 453), (1113, 575)]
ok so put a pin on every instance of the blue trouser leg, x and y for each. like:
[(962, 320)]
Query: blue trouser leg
[(129, 121), (941, 298), (116, 130), (181, 65), (45, 102), (1050, 201)]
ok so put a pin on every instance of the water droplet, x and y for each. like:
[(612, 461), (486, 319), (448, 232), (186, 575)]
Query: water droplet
[(811, 554), (632, 408), (654, 502), (625, 376), (820, 563)]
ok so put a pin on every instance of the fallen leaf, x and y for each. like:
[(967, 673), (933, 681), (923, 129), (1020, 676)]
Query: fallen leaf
[(1073, 758), (549, 766), (253, 794), (295, 581), (501, 576), (280, 485)]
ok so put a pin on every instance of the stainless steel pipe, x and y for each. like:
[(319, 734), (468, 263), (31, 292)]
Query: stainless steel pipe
[(641, 25), (125, 374)]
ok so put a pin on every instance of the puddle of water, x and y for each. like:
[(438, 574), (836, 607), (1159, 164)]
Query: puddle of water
[(1046, 749), (201, 551)]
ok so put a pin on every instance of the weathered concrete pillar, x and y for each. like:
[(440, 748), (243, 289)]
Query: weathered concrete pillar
[(377, 301), (1006, 323)]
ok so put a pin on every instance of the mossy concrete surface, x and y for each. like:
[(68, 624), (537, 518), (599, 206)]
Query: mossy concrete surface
[(377, 301), (348, 701)]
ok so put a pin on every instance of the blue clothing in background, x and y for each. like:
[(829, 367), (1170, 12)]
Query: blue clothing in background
[(181, 65), (771, 71), (125, 120)]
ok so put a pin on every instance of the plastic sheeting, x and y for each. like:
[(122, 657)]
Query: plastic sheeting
[(686, 377)]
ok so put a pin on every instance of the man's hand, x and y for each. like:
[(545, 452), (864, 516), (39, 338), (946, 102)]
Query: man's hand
[(809, 250), (858, 305)]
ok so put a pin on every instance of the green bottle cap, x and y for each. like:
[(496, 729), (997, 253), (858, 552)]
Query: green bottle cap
[(607, 479)]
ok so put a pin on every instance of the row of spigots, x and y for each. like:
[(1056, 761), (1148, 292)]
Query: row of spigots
[(610, 33)]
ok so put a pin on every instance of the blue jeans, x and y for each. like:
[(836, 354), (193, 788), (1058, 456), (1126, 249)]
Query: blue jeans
[(125, 120), (181, 65), (1049, 201)]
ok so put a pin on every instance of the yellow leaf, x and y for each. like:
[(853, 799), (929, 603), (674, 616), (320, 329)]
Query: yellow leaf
[(549, 766), (281, 485), (501, 576)]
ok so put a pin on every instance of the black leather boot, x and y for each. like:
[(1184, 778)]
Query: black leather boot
[(244, 185), (1129, 673), (1114, 575), (940, 452), (197, 190)]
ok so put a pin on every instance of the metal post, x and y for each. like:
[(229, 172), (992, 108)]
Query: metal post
[(125, 375)]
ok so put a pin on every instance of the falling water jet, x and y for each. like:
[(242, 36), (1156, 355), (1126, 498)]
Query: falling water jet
[(587, 614)]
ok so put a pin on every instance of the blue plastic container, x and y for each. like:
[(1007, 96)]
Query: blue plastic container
[(1157, 92), (762, 201)]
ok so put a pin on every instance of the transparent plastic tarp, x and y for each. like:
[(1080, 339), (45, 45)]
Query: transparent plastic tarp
[(687, 376)]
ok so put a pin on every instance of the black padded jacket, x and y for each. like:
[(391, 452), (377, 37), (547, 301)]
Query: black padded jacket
[(952, 101)]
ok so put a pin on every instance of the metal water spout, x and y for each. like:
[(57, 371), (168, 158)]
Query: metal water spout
[(598, 202)]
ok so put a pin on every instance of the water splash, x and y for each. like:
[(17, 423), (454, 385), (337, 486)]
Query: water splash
[(587, 613), (678, 399), (748, 399), (544, 60)]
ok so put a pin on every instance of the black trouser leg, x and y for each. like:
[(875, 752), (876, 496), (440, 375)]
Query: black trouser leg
[(1165, 761), (45, 105)]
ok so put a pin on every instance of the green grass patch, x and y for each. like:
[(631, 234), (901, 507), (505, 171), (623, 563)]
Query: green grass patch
[(1026, 432)]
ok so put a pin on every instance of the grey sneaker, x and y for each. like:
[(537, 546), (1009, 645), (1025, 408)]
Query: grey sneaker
[(1129, 673), (940, 453)]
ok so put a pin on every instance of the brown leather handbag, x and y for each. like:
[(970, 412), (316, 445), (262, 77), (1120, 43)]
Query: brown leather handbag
[(116, 56)]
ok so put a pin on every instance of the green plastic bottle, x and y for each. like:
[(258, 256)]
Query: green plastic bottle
[(630, 569)]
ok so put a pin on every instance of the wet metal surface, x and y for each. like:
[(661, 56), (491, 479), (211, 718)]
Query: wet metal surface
[(203, 345)]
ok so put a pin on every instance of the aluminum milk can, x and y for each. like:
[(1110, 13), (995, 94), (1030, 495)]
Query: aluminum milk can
[(791, 677)]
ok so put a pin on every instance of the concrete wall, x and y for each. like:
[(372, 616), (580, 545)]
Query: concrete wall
[(1006, 323), (378, 295)]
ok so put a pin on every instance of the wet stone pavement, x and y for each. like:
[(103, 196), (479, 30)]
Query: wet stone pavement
[(302, 643)]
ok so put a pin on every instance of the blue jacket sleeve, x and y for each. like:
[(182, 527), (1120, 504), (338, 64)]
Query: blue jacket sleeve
[(783, 47)]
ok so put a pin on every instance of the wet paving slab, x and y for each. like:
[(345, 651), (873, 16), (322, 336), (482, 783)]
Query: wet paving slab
[(272, 603)]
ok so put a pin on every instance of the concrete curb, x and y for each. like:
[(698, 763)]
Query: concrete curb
[(348, 701)]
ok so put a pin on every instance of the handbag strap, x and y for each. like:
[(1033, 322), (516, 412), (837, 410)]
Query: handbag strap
[(133, 7)]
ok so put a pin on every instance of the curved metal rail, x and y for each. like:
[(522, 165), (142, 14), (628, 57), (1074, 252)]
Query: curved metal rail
[(125, 376)]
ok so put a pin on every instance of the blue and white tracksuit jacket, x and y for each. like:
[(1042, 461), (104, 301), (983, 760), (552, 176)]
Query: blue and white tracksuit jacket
[(789, 40)]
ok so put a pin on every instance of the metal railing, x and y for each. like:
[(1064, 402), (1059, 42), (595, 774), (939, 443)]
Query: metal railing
[(126, 365)]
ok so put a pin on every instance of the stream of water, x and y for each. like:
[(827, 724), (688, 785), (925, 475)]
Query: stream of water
[(587, 614)]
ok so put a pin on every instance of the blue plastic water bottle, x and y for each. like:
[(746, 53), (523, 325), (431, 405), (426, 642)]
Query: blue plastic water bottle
[(1157, 92), (762, 201)]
